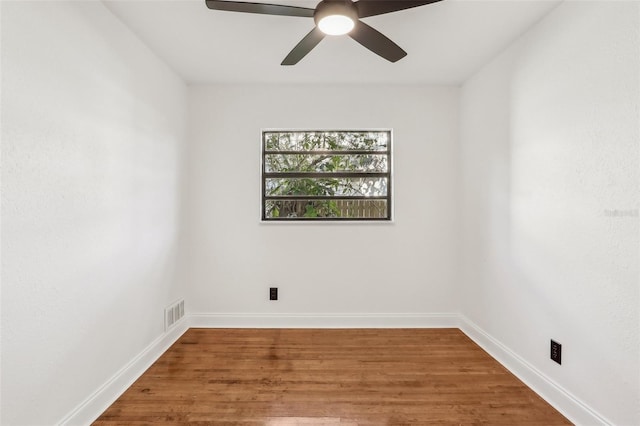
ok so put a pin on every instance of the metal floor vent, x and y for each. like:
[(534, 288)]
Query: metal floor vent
[(173, 313)]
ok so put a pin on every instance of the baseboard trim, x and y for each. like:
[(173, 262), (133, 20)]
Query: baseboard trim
[(91, 408), (294, 320), (562, 400)]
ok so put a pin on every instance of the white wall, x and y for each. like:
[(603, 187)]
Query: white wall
[(93, 127), (549, 148), (322, 269)]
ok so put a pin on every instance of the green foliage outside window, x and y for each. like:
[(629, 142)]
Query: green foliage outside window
[(326, 175)]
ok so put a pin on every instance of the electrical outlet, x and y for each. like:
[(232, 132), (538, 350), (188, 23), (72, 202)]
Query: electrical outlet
[(556, 352), (273, 293)]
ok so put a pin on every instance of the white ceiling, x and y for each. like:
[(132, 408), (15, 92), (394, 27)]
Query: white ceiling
[(446, 41)]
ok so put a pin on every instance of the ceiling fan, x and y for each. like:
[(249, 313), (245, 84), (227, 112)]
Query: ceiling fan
[(333, 17)]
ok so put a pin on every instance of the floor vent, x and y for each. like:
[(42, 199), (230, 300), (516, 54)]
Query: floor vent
[(173, 313)]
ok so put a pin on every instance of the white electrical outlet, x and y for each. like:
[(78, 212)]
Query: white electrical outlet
[(173, 313)]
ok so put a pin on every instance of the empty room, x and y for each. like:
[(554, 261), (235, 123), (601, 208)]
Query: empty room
[(306, 212)]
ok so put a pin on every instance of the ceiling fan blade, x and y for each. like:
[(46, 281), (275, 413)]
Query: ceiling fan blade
[(305, 46), (378, 7), (263, 8), (377, 42)]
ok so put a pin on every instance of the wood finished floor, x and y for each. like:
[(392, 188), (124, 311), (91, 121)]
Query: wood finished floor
[(286, 377)]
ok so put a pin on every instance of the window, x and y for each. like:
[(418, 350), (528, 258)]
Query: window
[(326, 175)]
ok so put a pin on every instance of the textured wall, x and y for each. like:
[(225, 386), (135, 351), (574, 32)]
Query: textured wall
[(404, 267), (92, 138), (550, 161)]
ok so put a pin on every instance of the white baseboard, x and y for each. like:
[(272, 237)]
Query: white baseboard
[(91, 408), (571, 407), (207, 320)]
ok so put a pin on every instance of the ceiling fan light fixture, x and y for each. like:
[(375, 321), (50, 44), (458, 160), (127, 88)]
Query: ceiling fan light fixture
[(336, 24), (335, 17)]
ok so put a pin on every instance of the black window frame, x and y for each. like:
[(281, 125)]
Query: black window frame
[(317, 175)]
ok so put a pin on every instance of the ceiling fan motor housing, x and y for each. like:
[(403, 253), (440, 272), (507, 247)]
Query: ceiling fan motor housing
[(344, 8)]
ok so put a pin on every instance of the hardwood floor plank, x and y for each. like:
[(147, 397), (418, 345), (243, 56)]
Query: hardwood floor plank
[(283, 377)]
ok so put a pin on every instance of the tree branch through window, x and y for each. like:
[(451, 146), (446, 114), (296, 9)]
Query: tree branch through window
[(326, 175)]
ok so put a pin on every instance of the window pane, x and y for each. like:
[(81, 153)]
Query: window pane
[(283, 163), (296, 187), (323, 209), (331, 175), (322, 141)]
